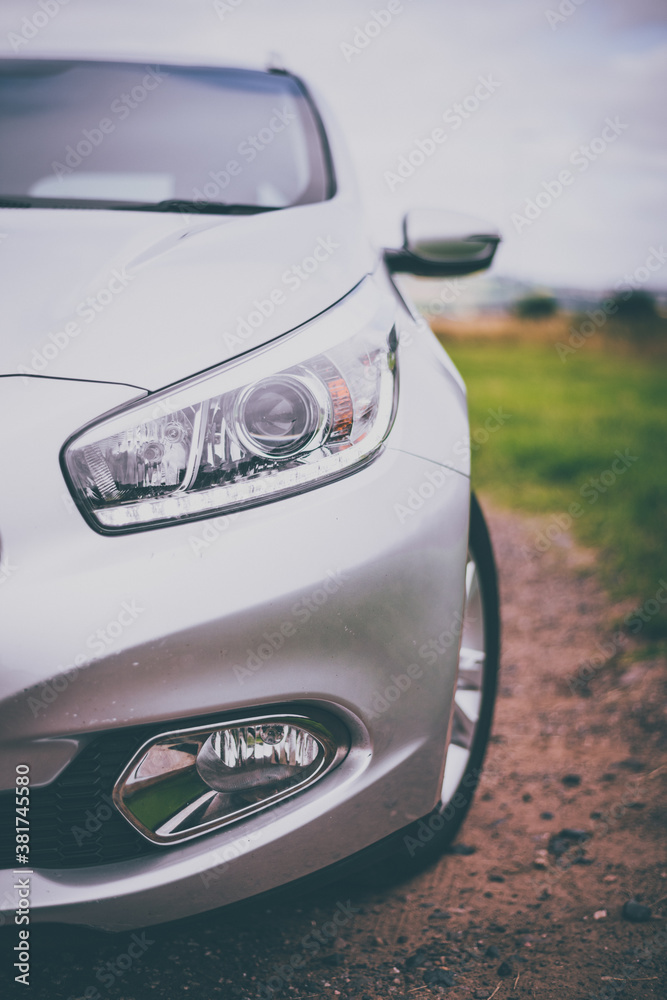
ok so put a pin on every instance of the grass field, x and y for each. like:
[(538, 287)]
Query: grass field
[(558, 451)]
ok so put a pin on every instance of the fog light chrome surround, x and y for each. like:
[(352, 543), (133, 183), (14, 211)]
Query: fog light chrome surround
[(188, 782)]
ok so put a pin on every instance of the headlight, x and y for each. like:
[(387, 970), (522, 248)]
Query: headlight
[(186, 783), (264, 426)]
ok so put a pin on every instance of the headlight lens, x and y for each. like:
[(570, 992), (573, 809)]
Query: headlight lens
[(273, 423), (281, 416)]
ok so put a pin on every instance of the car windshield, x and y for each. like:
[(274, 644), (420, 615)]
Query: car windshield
[(108, 135)]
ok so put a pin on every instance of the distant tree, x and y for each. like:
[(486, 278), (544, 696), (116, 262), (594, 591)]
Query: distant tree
[(536, 305), (636, 320), (634, 304)]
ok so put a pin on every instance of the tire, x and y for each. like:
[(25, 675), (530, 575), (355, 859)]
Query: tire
[(476, 689), (481, 619)]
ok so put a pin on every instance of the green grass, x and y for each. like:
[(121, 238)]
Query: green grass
[(567, 422)]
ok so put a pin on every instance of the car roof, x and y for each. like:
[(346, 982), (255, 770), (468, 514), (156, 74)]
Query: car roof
[(143, 57), (192, 33)]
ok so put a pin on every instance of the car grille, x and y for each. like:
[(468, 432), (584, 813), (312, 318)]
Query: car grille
[(73, 823)]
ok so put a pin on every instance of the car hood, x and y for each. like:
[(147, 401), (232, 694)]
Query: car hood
[(150, 298)]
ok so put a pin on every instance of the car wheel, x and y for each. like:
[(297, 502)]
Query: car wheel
[(476, 682), (474, 699)]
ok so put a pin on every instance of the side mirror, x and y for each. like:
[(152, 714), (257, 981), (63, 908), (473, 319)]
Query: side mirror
[(440, 244)]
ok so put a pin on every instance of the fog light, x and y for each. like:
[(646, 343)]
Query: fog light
[(183, 784)]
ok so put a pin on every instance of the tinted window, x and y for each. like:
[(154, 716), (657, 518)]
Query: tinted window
[(133, 133)]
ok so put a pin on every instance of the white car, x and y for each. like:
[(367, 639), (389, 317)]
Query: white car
[(248, 607)]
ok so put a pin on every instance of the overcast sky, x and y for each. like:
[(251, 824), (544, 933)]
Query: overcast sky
[(553, 81)]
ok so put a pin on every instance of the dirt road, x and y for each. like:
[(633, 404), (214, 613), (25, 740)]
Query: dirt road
[(569, 824)]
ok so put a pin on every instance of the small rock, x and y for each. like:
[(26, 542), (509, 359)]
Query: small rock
[(546, 815), (464, 849), (578, 836), (492, 952), (631, 764), (571, 780), (558, 846), (610, 878), (636, 912), (494, 877), (419, 957), (504, 969), (401, 939), (439, 977), (599, 915), (527, 797), (561, 842)]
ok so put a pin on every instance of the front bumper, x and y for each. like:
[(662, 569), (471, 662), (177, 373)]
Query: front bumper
[(176, 619)]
